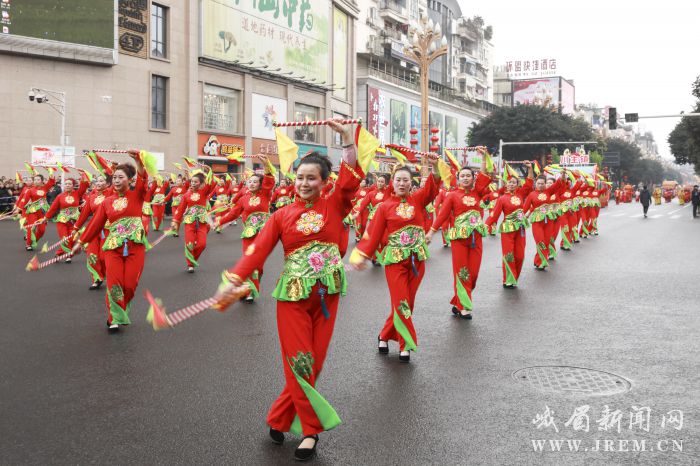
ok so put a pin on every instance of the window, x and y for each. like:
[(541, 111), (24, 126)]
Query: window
[(304, 113), (159, 95), (221, 109), (159, 28)]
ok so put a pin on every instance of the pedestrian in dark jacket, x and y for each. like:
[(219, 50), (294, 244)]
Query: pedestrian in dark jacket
[(645, 199), (695, 200)]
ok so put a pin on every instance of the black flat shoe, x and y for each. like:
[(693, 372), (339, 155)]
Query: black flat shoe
[(276, 436), (405, 357), (94, 286), (305, 454), (382, 349), (455, 311)]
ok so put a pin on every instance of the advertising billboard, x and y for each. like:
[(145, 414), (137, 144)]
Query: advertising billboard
[(340, 53), (399, 118), (376, 113), (50, 156), (415, 121), (84, 22), (568, 97), (543, 92), (266, 110), (284, 35), (451, 131), (218, 145)]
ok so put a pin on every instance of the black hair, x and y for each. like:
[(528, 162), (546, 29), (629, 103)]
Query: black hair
[(199, 176), (258, 176), (127, 168), (386, 177), (471, 170), (40, 176), (323, 162), (541, 177), (404, 169)]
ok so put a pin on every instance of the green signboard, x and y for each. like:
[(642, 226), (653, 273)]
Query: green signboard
[(86, 22)]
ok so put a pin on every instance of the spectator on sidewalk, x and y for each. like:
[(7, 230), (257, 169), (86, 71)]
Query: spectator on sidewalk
[(695, 200)]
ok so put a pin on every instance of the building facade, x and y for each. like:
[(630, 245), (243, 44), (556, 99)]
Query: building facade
[(199, 78), (388, 90)]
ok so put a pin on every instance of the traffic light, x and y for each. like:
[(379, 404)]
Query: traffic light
[(612, 118)]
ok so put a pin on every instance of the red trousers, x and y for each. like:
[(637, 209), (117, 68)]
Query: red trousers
[(513, 248), (195, 242), (539, 233), (146, 222), (466, 262), (568, 225), (158, 214), (257, 275), (403, 285), (124, 266), (303, 331), (96, 259), (584, 213), (65, 230), (553, 227), (35, 233)]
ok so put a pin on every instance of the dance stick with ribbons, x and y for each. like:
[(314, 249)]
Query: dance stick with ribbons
[(34, 264), (347, 121), (160, 320)]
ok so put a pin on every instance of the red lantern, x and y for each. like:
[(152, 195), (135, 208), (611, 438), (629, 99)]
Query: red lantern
[(434, 148), (435, 139), (414, 141), (434, 130), (413, 131)]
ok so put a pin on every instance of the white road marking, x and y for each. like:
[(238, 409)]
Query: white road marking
[(619, 215), (638, 215), (675, 217), (674, 211), (657, 216)]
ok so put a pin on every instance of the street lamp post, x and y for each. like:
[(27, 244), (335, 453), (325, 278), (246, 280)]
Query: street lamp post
[(426, 44), (46, 96)]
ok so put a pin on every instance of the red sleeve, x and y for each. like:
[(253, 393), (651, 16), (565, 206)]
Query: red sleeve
[(231, 215), (84, 214), (365, 201), (95, 226), (82, 187), (526, 188), (443, 213), (55, 207), (239, 194), (495, 213), (345, 187), (554, 188), (528, 202), (427, 193), (268, 184), (140, 187), (275, 195), (263, 245), (481, 184), (49, 184), (371, 239)]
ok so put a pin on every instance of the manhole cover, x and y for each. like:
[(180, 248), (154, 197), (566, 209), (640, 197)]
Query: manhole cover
[(567, 379)]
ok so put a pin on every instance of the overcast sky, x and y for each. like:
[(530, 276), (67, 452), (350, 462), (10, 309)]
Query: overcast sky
[(618, 52)]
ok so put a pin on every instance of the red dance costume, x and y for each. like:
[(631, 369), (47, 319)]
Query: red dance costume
[(540, 216), (307, 294), (283, 196), (402, 221), (223, 196), (512, 231), (95, 261), (254, 209), (465, 237), (568, 222), (147, 210), (449, 221), (158, 203), (35, 206), (66, 209), (124, 247), (193, 212)]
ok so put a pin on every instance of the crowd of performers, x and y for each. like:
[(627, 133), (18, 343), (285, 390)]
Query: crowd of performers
[(395, 217)]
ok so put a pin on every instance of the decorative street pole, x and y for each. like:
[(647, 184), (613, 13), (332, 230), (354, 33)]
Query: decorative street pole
[(426, 44)]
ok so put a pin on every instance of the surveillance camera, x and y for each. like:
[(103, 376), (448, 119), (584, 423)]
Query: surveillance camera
[(41, 98), (31, 96)]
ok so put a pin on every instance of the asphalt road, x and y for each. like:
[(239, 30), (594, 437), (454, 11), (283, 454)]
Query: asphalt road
[(625, 302)]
